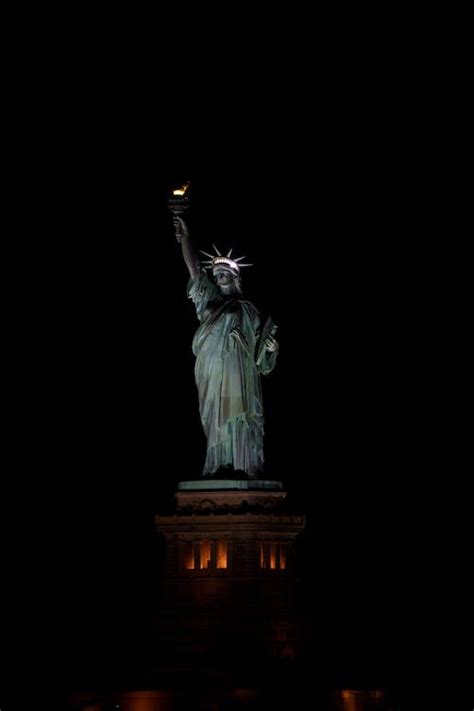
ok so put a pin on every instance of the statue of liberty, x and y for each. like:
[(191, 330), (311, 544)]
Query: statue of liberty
[(232, 350)]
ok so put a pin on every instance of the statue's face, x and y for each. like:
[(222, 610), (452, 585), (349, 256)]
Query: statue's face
[(223, 277)]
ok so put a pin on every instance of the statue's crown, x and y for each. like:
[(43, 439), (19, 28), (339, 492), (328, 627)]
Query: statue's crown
[(219, 260)]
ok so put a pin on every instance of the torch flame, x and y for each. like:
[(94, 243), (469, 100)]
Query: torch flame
[(181, 190)]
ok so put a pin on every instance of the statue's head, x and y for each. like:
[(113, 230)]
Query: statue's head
[(225, 263), (228, 280), (226, 271)]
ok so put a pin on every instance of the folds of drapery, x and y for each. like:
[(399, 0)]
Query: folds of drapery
[(227, 380)]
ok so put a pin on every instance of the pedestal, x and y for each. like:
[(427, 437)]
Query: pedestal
[(230, 589), (230, 494)]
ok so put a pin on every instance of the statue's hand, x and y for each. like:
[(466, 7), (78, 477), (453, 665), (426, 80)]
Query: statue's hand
[(238, 337), (271, 344), (180, 228)]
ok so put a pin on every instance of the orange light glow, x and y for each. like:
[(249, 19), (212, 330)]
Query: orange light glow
[(273, 556), (222, 554), (181, 190), (205, 558), (357, 699), (349, 701)]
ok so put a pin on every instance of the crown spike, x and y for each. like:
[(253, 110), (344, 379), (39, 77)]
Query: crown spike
[(230, 252), (245, 265), (211, 256), (217, 251), (238, 259)]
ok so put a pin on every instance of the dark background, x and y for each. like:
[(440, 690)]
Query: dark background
[(103, 420)]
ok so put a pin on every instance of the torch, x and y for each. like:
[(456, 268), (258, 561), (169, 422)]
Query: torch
[(178, 203)]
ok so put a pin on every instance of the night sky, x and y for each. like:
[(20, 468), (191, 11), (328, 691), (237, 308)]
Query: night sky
[(104, 415)]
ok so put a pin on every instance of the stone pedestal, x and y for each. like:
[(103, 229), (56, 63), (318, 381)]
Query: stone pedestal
[(230, 590), (231, 494)]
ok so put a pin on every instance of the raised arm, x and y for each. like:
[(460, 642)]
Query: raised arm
[(189, 253)]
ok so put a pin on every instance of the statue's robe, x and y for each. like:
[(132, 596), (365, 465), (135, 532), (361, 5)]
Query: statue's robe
[(228, 378)]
